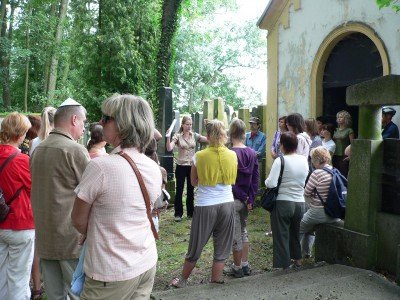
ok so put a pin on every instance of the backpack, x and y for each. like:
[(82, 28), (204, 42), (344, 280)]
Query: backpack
[(335, 204)]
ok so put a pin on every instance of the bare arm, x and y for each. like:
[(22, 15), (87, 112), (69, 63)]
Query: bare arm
[(194, 179), (157, 135), (203, 139), (80, 215), (351, 137)]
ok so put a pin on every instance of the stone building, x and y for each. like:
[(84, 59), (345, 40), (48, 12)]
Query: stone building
[(316, 49)]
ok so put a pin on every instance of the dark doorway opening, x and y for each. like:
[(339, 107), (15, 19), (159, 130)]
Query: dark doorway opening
[(353, 60)]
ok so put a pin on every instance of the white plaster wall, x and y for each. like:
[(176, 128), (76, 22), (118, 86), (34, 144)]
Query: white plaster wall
[(309, 26)]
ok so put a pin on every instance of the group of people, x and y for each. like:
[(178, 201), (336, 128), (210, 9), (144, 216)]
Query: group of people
[(62, 195)]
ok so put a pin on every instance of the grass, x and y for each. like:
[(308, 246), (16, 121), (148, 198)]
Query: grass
[(174, 240)]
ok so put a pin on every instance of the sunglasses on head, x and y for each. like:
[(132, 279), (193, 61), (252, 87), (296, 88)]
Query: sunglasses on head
[(105, 119)]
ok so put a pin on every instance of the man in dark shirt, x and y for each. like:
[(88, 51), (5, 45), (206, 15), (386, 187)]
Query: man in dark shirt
[(389, 129)]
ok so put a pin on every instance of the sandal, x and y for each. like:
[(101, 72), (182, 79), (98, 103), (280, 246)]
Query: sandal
[(36, 295), (218, 282), (178, 282)]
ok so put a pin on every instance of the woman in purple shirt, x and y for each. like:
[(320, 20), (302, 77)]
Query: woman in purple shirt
[(244, 191)]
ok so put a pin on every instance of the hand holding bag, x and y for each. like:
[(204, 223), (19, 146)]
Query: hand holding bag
[(269, 196)]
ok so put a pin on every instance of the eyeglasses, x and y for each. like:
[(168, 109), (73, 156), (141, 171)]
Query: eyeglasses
[(105, 119)]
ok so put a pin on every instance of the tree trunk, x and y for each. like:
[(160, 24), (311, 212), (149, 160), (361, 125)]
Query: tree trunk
[(54, 59), (6, 54), (169, 23), (53, 12), (27, 62)]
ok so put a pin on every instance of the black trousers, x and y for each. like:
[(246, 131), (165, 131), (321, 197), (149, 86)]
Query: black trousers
[(182, 173)]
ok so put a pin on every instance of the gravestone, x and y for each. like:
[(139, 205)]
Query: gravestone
[(244, 115), (166, 157)]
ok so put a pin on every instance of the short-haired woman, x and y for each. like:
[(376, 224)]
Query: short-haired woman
[(214, 171), (343, 136), (121, 254), (96, 143), (320, 181), (295, 123), (313, 133), (275, 149), (289, 206), (244, 192), (185, 140), (327, 133), (17, 233)]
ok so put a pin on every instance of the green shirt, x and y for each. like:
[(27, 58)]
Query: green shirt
[(342, 140)]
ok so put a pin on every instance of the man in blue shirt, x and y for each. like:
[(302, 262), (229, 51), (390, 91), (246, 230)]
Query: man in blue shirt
[(255, 139), (390, 130)]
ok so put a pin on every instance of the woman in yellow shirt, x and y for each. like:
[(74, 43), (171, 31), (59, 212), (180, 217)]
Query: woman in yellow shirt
[(213, 171)]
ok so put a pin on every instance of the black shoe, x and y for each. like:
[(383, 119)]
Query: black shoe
[(246, 270)]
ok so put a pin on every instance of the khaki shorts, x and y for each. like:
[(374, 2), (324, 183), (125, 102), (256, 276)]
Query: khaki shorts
[(216, 220)]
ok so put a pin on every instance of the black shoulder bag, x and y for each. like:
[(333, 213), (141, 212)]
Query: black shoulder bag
[(268, 198)]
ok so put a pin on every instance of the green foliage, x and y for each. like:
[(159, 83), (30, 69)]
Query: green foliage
[(210, 57), (394, 4)]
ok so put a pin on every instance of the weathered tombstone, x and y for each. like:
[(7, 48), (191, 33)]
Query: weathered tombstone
[(166, 157), (371, 236), (229, 112), (177, 117), (244, 115), (208, 112), (198, 125)]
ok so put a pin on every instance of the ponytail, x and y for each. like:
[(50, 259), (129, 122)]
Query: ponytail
[(47, 122)]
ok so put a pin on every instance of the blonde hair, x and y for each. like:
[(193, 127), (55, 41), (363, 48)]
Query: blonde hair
[(134, 119), (237, 130), (13, 127), (216, 133), (311, 127), (47, 122), (320, 155), (184, 120), (346, 116)]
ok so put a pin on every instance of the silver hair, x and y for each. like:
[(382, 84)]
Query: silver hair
[(134, 119)]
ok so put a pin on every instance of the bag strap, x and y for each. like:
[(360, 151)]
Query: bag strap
[(281, 172), (9, 159), (144, 191)]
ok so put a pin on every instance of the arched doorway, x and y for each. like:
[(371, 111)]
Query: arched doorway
[(350, 54), (354, 59)]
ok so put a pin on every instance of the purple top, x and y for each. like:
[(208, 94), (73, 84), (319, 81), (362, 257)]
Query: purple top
[(246, 185)]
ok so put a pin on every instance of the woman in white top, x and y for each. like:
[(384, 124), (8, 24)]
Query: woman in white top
[(290, 206), (327, 132), (295, 123)]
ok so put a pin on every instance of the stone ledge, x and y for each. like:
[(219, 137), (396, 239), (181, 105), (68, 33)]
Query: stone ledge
[(381, 91)]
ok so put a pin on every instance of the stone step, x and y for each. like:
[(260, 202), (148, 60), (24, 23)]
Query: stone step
[(324, 282)]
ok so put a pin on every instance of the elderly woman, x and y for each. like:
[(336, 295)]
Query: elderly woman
[(185, 140), (295, 123), (290, 206), (17, 234), (343, 136), (214, 171), (121, 255), (244, 192), (320, 182)]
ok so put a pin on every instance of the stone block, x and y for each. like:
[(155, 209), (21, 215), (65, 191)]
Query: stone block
[(244, 115), (364, 189), (335, 244), (383, 90)]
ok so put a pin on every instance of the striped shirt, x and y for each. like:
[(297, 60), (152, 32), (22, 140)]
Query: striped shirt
[(320, 180)]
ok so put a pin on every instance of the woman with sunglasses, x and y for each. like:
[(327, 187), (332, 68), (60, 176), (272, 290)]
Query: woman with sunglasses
[(110, 204)]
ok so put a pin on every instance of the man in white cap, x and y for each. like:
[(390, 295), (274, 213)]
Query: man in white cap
[(389, 129), (56, 169)]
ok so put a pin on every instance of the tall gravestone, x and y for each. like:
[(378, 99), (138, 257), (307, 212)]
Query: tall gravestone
[(166, 157), (244, 115)]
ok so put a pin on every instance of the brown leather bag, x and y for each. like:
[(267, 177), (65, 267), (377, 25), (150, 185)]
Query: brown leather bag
[(144, 191)]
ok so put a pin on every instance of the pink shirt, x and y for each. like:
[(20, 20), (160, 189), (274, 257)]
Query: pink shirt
[(120, 243)]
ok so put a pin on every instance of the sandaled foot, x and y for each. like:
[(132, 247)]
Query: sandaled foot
[(178, 282), (37, 295)]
